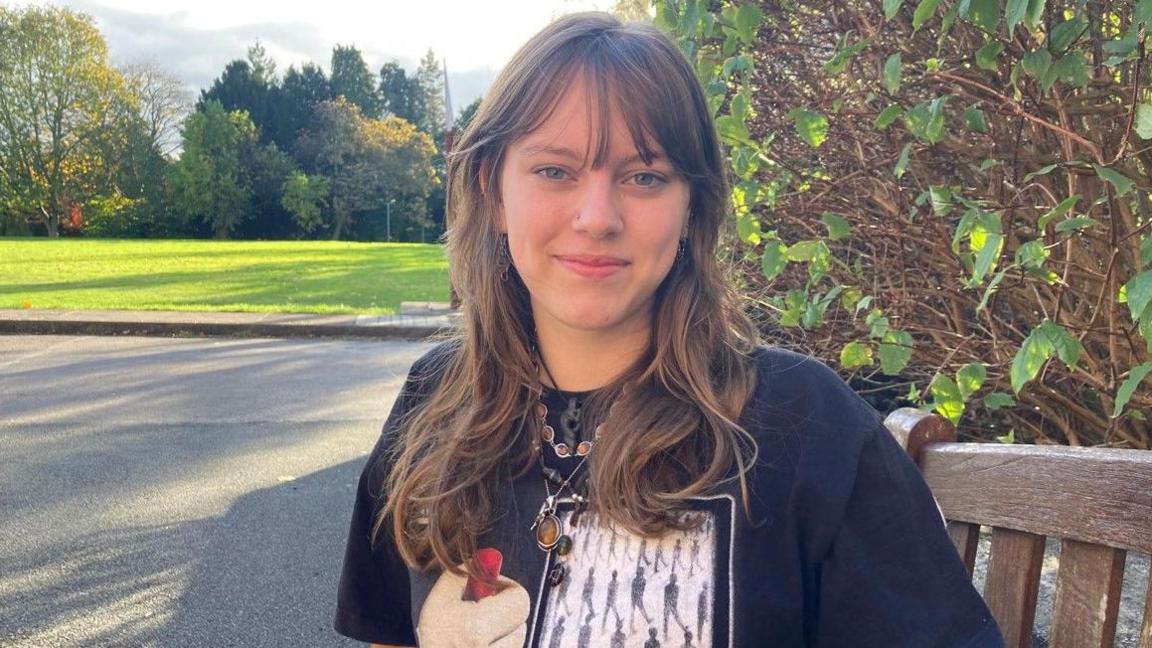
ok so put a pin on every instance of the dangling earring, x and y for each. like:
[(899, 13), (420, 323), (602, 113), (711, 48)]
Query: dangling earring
[(681, 250), (505, 257)]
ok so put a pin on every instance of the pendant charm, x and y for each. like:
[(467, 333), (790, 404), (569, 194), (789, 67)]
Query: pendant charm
[(549, 531), (557, 574), (564, 545)]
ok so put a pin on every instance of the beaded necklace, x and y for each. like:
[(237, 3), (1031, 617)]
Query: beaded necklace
[(549, 529)]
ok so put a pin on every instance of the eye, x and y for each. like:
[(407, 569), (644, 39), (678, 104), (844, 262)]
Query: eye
[(552, 173), (645, 179)]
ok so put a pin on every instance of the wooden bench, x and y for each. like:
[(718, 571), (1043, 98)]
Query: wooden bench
[(1097, 501)]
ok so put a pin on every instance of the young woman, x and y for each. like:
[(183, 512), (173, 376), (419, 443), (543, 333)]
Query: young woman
[(605, 456)]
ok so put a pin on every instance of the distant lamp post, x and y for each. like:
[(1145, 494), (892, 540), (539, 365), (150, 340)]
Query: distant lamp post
[(388, 219)]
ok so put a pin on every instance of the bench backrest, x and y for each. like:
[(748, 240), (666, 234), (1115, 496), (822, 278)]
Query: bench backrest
[(1097, 501)]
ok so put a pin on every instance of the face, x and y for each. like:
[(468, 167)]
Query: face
[(591, 245)]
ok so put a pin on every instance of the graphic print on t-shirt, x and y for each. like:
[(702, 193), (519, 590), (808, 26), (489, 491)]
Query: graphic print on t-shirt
[(625, 591), (460, 611)]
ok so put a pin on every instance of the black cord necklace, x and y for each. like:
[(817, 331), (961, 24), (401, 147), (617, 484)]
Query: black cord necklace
[(549, 529)]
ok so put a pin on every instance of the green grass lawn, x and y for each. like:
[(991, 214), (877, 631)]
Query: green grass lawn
[(242, 276)]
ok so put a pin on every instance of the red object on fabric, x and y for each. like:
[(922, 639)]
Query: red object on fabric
[(490, 561)]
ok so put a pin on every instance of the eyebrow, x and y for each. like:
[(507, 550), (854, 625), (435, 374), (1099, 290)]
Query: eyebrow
[(563, 151)]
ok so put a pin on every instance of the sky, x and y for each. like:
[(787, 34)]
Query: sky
[(195, 39)]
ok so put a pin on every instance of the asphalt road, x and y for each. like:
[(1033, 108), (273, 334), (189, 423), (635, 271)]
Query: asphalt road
[(182, 492)]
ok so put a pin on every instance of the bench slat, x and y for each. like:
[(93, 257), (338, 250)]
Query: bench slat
[(1096, 495), (1087, 595), (1012, 584), (965, 537)]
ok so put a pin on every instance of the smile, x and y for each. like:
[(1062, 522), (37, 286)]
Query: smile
[(595, 267)]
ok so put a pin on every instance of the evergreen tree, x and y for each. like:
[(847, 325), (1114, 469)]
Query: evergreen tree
[(401, 95), (352, 80), (431, 79)]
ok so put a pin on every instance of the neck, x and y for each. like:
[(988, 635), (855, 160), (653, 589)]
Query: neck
[(582, 360)]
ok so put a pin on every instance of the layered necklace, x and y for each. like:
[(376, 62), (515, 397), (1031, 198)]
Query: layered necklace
[(550, 532)]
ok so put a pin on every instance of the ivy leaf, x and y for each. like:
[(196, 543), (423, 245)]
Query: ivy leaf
[(1143, 123), (855, 355), (948, 399), (732, 130), (996, 400), (1138, 293), (1014, 13), (810, 125), (987, 241), (739, 106), (895, 352), (892, 73), (1122, 183), (748, 229), (1071, 69), (838, 228), (1039, 172), (1034, 13), (878, 324), (1124, 393), (844, 55), (887, 116), (1036, 63), (1146, 251), (970, 377), (923, 13), (986, 56), (1073, 224), (902, 163), (802, 251), (974, 119), (991, 290), (1066, 33), (941, 199), (984, 14), (794, 303), (747, 22), (1143, 12), (1056, 212), (1043, 342), (772, 263), (891, 7), (1032, 255)]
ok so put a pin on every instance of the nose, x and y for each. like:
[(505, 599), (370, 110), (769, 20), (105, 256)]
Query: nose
[(598, 210)]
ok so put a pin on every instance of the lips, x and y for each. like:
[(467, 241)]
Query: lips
[(592, 266)]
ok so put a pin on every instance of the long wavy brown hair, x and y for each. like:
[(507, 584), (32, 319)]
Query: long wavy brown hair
[(670, 420)]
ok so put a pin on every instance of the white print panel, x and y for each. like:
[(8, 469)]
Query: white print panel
[(624, 591)]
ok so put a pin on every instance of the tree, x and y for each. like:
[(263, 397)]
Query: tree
[(401, 95), (239, 88), (58, 93), (306, 197), (431, 78), (365, 162), (352, 80), (467, 115), (163, 102), (210, 181), (300, 91)]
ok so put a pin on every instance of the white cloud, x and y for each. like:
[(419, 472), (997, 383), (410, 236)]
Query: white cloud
[(195, 40)]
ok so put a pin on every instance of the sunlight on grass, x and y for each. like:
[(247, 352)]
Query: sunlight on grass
[(241, 276)]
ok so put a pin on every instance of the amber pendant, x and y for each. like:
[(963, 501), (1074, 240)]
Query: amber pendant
[(548, 532)]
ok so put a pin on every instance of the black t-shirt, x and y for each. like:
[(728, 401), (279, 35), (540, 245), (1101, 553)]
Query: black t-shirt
[(844, 547)]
